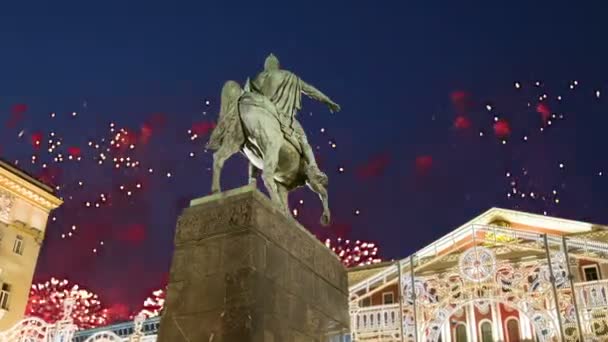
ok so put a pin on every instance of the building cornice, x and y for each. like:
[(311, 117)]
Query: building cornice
[(31, 191), (24, 229), (556, 224)]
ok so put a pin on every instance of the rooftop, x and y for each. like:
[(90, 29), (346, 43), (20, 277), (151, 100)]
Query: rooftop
[(25, 176), (357, 274)]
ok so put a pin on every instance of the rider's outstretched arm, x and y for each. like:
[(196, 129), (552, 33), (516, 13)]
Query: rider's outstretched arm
[(314, 93)]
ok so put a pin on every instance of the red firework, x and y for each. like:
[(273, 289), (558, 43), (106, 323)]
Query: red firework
[(462, 122), (202, 127), (17, 114), (354, 253), (502, 129), (37, 140), (424, 164), (461, 100), (544, 111), (74, 151), (46, 301), (375, 167)]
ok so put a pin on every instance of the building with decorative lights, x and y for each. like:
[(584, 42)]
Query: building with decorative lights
[(25, 204), (503, 276), (149, 329)]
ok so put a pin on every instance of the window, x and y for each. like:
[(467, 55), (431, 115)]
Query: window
[(591, 273), (5, 296), (387, 298), (461, 333), (366, 302), (513, 330), (18, 245), (486, 331)]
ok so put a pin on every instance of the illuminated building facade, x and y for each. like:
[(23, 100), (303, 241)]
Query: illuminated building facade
[(503, 276), (499, 277), (149, 330), (25, 204)]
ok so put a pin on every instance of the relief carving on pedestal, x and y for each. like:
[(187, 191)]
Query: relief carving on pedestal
[(6, 205), (197, 224)]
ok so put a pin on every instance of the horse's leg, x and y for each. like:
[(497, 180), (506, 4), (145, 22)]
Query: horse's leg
[(254, 172), (271, 161), (284, 196), (225, 151), (321, 190)]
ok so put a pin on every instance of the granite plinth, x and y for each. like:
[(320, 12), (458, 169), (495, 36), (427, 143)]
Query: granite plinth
[(244, 271)]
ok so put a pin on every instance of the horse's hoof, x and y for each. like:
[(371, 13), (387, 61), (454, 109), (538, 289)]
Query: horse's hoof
[(215, 191), (325, 220)]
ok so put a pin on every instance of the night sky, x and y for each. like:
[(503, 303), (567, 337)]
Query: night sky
[(442, 111)]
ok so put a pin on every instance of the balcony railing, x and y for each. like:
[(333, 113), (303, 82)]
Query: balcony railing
[(592, 294), (376, 318), (149, 328)]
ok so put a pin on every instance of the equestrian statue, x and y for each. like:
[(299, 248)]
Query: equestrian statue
[(259, 120)]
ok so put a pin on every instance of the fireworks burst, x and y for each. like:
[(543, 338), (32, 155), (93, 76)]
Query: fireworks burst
[(105, 173), (153, 305), (354, 253), (46, 301)]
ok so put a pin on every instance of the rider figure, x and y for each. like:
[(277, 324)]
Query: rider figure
[(284, 89)]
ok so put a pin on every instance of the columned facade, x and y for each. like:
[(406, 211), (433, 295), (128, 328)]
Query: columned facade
[(25, 204), (446, 333), (471, 323), (497, 333), (500, 277)]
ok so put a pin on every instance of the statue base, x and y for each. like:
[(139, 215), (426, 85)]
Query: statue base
[(244, 271)]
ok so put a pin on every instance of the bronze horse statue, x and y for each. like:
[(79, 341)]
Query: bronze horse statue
[(249, 123)]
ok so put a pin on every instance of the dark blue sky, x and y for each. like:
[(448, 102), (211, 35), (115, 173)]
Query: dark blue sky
[(392, 66)]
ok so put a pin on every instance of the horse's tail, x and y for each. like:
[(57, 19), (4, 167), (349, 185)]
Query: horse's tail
[(228, 122)]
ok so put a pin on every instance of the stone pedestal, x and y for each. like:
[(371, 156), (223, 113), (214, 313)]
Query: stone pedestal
[(244, 271)]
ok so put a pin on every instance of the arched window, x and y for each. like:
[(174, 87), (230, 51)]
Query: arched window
[(461, 333), (513, 330), (485, 331)]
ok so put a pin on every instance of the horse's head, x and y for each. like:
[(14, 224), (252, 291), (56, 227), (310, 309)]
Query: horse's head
[(230, 94)]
